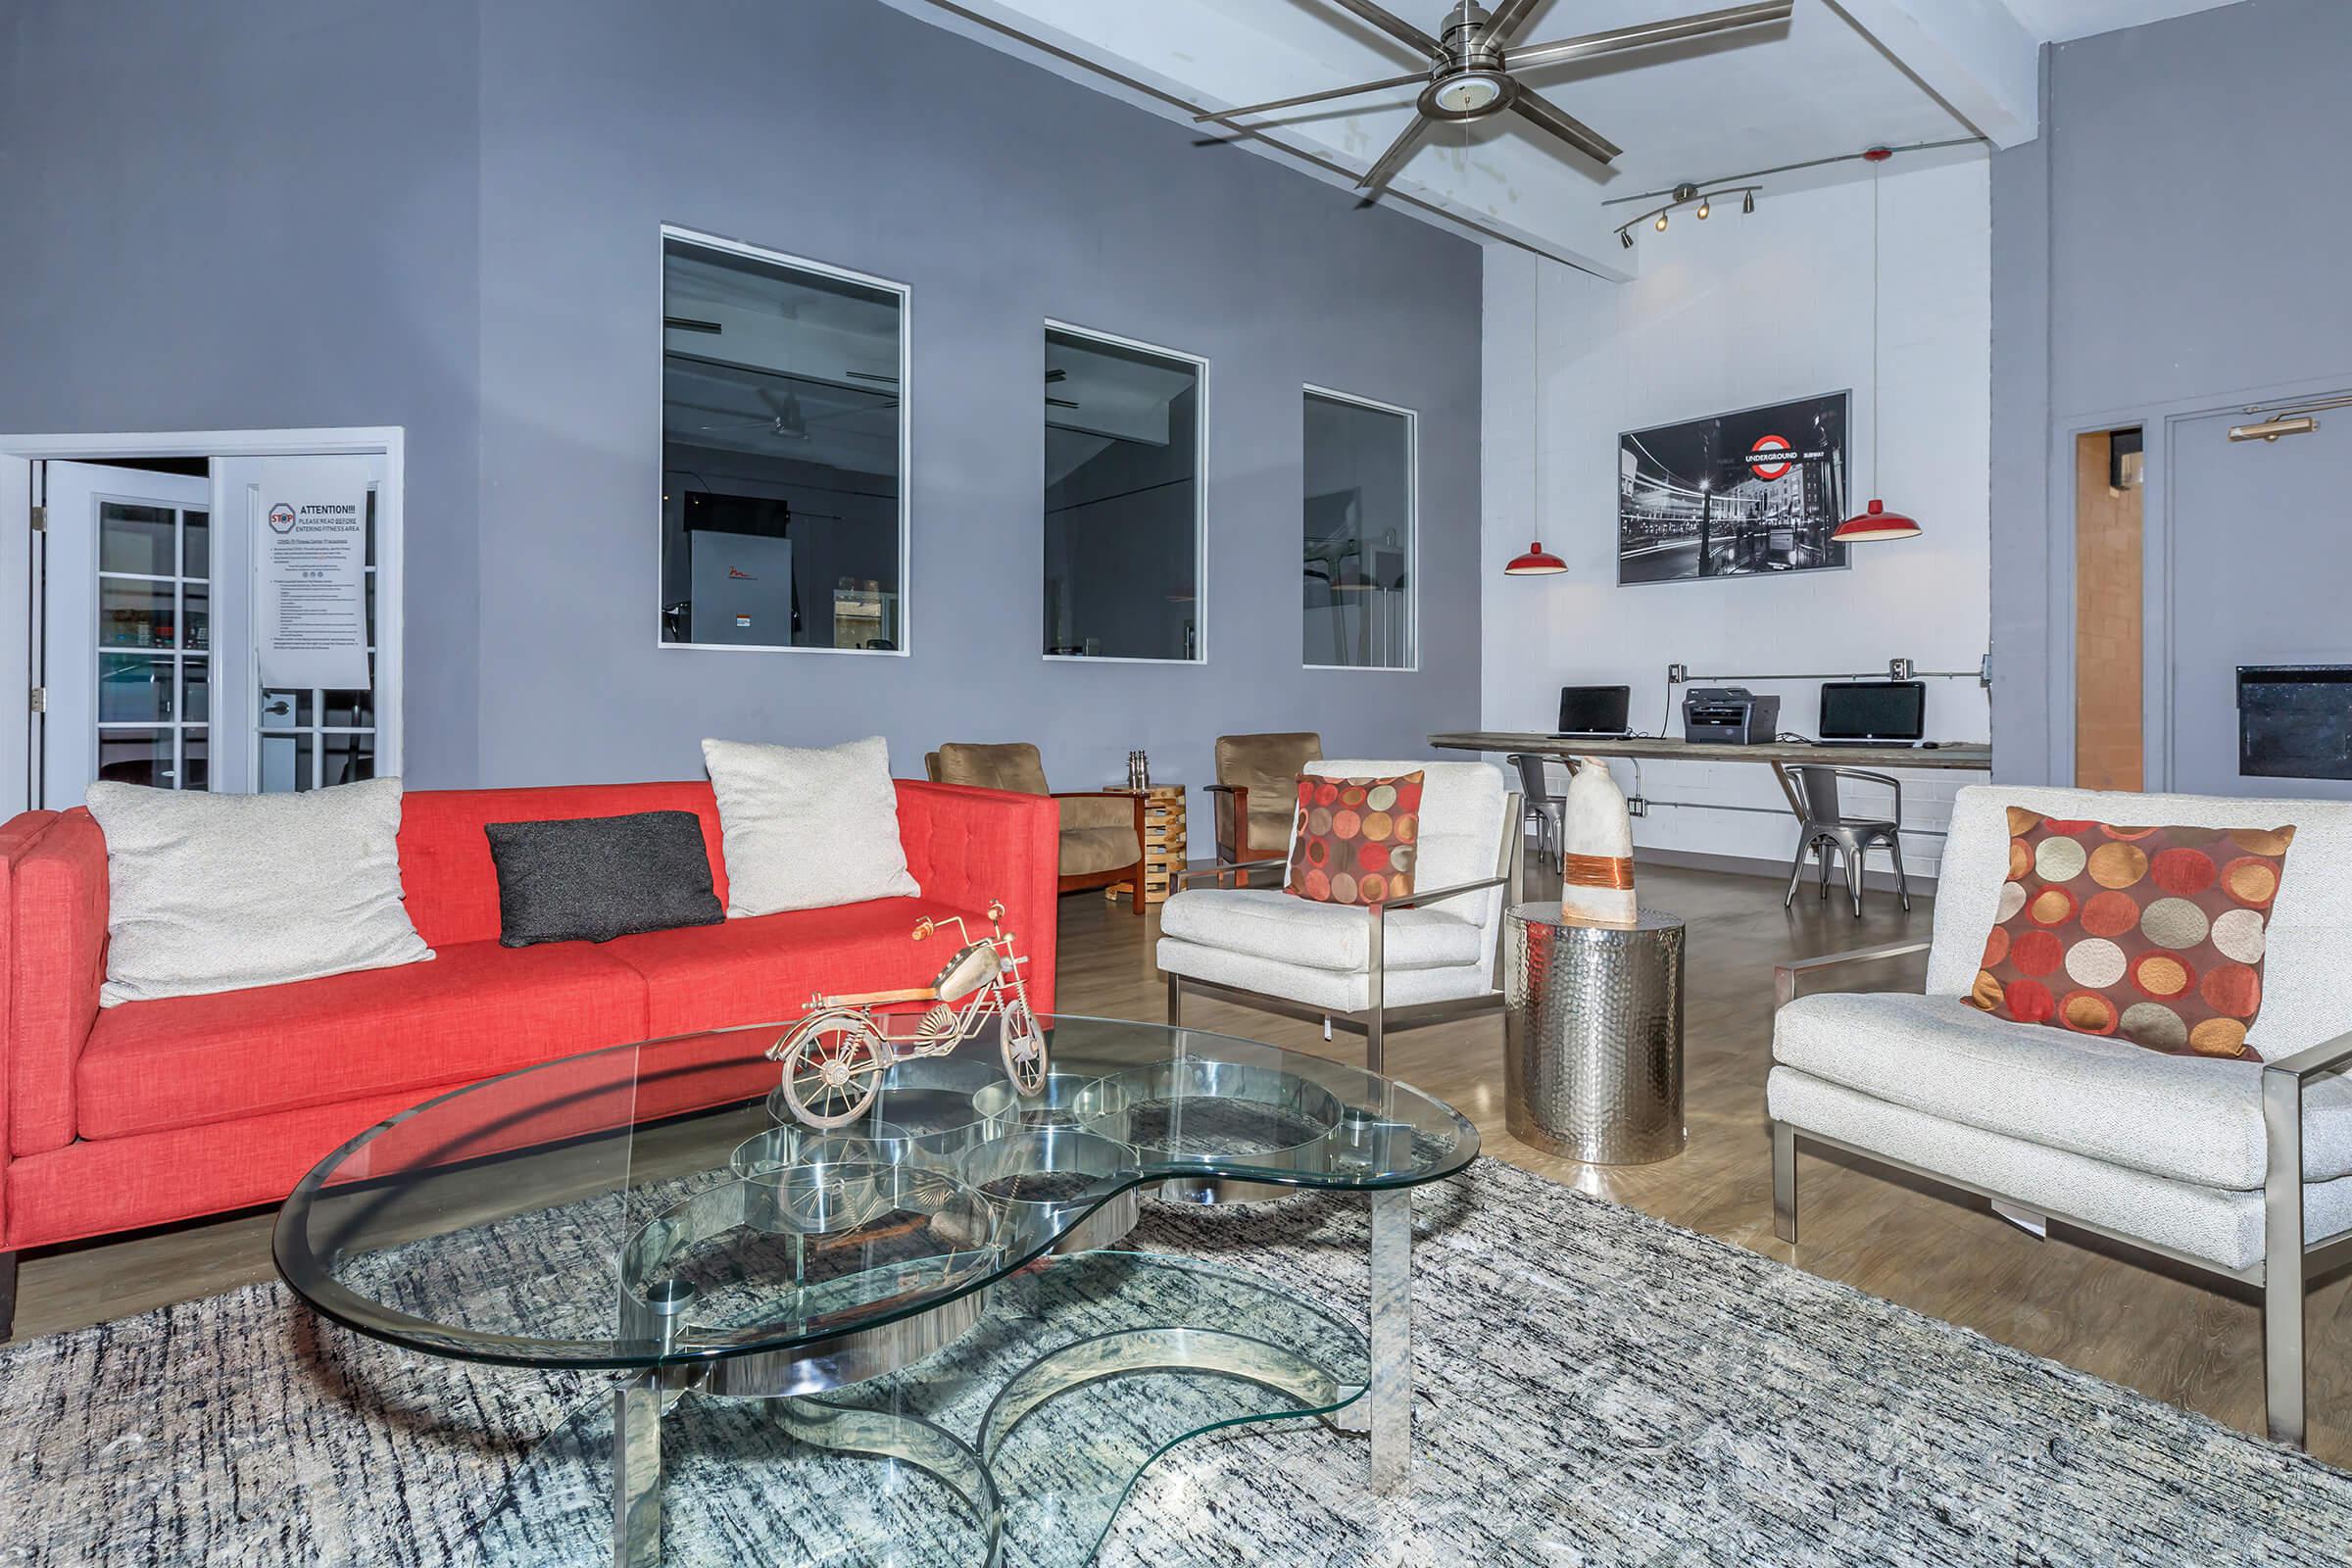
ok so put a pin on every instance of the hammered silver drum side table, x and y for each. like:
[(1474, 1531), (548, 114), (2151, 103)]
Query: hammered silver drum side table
[(1593, 1036)]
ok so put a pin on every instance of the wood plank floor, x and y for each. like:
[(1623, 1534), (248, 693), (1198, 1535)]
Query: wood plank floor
[(2171, 1334)]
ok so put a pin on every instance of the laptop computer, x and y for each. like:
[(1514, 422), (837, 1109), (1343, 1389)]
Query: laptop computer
[(1595, 710), (1873, 712)]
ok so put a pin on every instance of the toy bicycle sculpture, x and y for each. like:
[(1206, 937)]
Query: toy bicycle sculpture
[(835, 1057)]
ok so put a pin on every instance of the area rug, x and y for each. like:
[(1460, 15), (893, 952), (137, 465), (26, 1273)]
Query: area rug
[(1594, 1388)]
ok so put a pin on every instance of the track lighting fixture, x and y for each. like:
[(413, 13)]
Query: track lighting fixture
[(1700, 194), (1685, 194)]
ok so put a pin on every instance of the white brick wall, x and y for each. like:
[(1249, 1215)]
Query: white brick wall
[(1726, 314)]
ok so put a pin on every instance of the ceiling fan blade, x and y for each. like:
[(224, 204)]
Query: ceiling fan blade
[(1246, 110), (1542, 110), (1394, 25), (1506, 19), (1646, 33), (1384, 169)]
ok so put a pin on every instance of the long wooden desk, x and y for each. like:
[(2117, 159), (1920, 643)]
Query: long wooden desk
[(1780, 755)]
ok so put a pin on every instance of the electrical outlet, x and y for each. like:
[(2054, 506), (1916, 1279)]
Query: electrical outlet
[(1676, 674), (1636, 805)]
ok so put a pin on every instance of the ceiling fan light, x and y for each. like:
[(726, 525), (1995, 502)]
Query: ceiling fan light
[(1468, 94), (1876, 523), (1538, 562)]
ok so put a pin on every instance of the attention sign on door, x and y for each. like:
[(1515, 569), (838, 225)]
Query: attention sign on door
[(311, 582)]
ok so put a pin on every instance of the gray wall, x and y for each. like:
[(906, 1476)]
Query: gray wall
[(1003, 196), (260, 214), (2169, 244), (467, 246)]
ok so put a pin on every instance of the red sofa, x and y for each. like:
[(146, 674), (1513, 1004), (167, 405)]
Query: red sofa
[(163, 1110)]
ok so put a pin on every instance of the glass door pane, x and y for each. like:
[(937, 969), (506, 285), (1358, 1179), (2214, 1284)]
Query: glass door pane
[(153, 693)]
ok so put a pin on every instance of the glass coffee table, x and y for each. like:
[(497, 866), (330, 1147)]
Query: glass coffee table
[(912, 1340)]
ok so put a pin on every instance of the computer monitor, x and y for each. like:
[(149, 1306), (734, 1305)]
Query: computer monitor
[(1890, 710), (1594, 710)]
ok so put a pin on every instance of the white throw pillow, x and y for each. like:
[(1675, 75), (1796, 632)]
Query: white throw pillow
[(220, 892), (808, 828)]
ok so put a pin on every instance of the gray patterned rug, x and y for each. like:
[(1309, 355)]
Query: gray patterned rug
[(1595, 1388)]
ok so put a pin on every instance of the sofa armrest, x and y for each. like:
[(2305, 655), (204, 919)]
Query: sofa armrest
[(2283, 1243), (1784, 976), (968, 845), (1413, 901), (1220, 870), (56, 954)]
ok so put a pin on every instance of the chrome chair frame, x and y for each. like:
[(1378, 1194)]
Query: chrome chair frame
[(2287, 1262), (1540, 806), (1851, 837), (1378, 1018)]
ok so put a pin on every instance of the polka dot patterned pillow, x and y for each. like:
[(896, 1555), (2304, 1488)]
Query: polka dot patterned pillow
[(1354, 840), (2150, 934)]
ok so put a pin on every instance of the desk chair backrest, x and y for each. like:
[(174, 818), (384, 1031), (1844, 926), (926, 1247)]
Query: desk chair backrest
[(1817, 788)]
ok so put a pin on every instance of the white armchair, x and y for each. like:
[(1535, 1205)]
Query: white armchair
[(2237, 1168), (1421, 959)]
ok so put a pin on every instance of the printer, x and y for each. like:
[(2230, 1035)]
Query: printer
[(1729, 715)]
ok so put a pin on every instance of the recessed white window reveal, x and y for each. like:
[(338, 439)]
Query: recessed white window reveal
[(1126, 436), (1360, 590), (784, 452)]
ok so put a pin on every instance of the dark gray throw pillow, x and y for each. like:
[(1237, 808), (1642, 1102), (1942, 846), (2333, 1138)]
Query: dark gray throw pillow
[(594, 878)]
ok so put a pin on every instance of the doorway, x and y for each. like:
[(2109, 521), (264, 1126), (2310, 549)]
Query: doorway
[(216, 611), (2255, 570), (2110, 746)]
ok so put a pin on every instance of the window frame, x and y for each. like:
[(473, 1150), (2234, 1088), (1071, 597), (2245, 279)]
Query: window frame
[(1413, 512), (1201, 368), (804, 264)]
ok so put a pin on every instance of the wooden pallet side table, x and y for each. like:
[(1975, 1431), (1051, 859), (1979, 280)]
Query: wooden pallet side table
[(1163, 842)]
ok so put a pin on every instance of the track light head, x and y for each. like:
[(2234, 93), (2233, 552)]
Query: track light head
[(1747, 202), (1661, 224), (1625, 237), (1704, 209)]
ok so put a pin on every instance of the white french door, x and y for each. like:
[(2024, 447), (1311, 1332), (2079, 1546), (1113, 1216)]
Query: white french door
[(300, 737), (148, 592), (127, 665)]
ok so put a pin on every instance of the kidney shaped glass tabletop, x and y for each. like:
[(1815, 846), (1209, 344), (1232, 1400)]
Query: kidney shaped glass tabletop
[(660, 1204)]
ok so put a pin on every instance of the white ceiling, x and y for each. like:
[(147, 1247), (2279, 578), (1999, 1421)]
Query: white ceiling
[(1833, 80), (2059, 20)]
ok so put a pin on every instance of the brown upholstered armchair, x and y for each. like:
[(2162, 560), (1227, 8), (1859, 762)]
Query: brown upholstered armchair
[(1256, 793), (1102, 830)]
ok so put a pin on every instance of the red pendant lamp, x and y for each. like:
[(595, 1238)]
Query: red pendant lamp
[(1875, 521), (1535, 560)]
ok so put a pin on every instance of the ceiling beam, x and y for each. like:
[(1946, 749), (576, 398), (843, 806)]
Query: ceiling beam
[(1973, 55)]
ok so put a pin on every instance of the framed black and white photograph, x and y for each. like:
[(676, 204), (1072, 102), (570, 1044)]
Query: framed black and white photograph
[(1733, 495)]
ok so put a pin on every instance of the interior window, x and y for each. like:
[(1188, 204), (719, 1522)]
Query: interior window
[(783, 450), (1359, 524), (1123, 516)]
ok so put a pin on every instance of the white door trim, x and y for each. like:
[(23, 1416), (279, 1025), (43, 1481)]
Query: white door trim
[(16, 591), (389, 440)]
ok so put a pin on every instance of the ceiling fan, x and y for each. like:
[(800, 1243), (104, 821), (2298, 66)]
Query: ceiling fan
[(1473, 63), (784, 420)]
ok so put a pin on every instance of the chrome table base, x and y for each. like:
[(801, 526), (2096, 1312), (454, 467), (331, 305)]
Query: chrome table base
[(1223, 1347)]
